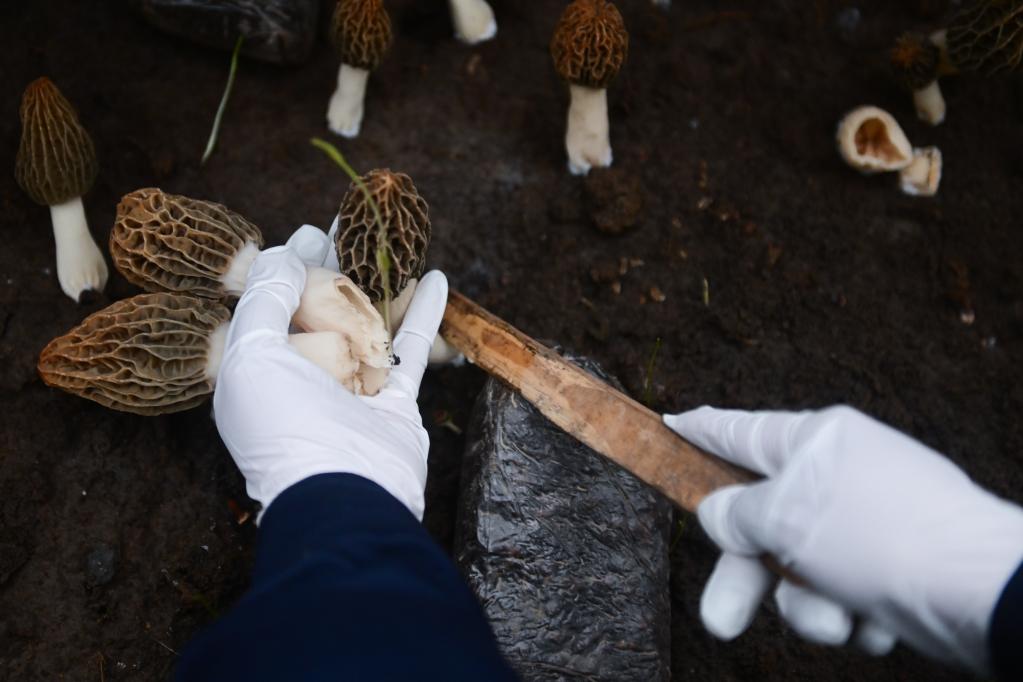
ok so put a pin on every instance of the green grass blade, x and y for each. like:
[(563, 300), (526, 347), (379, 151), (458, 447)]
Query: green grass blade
[(215, 133)]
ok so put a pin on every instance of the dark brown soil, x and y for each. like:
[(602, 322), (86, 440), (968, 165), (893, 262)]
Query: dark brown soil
[(787, 280)]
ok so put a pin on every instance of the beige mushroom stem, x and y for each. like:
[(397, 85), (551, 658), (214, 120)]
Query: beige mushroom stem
[(344, 115), (80, 265), (923, 175), (588, 138), (442, 352), (474, 21), (928, 100)]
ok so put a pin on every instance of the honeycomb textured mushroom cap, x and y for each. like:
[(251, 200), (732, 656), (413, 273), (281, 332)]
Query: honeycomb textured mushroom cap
[(167, 242), (987, 36), (406, 220), (590, 43), (361, 31), (56, 160), (148, 354), (915, 60)]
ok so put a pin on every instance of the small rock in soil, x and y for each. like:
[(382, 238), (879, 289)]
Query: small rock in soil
[(279, 31), (101, 565), (614, 199)]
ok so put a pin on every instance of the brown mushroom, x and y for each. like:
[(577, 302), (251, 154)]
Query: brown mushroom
[(56, 165), (474, 20), (361, 31), (159, 353), (983, 37), (406, 232), (168, 242), (590, 45)]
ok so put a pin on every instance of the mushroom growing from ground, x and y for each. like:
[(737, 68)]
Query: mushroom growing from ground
[(56, 165), (474, 20), (159, 353), (405, 235), (983, 37), (590, 45), (361, 31), (170, 243)]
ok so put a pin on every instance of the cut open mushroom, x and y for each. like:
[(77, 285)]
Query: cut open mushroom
[(871, 141), (160, 353), (922, 176), (361, 31), (589, 46), (56, 165), (474, 21)]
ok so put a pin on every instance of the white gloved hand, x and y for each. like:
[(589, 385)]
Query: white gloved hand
[(284, 419), (879, 525)]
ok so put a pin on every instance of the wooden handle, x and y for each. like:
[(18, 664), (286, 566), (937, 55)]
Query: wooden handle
[(603, 418)]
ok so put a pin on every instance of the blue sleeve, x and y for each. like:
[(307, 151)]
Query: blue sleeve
[(347, 586), (1006, 634)]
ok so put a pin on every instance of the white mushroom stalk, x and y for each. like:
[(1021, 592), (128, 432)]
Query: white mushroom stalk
[(923, 175), (588, 136), (930, 104), (80, 264), (344, 114), (441, 352), (474, 21)]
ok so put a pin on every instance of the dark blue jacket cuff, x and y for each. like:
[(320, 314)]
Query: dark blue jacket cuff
[(1006, 634)]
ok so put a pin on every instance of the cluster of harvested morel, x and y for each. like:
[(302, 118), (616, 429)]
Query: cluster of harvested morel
[(159, 352), (872, 141), (56, 165), (984, 37)]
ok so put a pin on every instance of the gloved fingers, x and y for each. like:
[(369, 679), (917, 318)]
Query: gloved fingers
[(732, 595), (874, 638), (275, 283), (812, 615), (738, 519), (330, 261), (414, 339), (311, 245), (759, 441)]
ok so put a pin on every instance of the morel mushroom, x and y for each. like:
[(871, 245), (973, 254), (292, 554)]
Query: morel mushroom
[(362, 34), (589, 47), (160, 353), (167, 242), (56, 165), (916, 60), (983, 37), (871, 141), (474, 21), (405, 233)]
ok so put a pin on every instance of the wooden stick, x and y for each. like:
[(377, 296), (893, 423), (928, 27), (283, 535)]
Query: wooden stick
[(601, 417)]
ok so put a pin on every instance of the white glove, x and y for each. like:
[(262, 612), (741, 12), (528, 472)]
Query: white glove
[(879, 526), (284, 419)]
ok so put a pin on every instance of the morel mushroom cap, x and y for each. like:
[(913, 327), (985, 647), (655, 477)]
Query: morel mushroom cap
[(871, 141), (56, 160), (986, 36), (915, 60), (150, 354), (406, 227), (590, 43), (167, 242), (361, 31)]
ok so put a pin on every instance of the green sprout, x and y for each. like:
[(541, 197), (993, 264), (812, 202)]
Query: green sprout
[(215, 133), (648, 379), (383, 256)]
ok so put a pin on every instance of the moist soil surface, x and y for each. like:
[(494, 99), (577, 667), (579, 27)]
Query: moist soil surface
[(765, 272)]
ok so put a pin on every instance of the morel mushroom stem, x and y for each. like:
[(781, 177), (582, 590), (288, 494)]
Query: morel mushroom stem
[(474, 21), (344, 115), (588, 137), (237, 274), (441, 352), (930, 104), (80, 265)]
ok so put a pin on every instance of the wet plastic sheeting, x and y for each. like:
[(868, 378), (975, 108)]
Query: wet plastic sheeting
[(567, 552)]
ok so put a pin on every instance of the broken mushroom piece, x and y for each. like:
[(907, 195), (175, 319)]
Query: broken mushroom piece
[(915, 59), (361, 31), (56, 165), (923, 175), (590, 45), (474, 21), (871, 141), (160, 353), (168, 242)]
